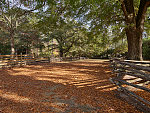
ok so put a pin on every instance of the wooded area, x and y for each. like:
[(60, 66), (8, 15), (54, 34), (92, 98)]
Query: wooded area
[(53, 31), (94, 29)]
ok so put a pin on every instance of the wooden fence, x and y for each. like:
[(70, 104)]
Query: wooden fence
[(132, 77), (19, 60), (66, 59), (15, 60)]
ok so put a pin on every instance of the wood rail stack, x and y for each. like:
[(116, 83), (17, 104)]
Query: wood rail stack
[(15, 60), (132, 77)]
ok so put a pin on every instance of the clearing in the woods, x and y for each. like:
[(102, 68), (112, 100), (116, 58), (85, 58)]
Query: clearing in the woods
[(61, 87)]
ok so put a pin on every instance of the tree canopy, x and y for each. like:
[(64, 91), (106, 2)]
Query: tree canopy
[(78, 27)]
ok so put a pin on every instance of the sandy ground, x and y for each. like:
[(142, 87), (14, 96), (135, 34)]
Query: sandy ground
[(61, 87)]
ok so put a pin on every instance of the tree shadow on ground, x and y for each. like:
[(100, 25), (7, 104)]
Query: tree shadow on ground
[(72, 87)]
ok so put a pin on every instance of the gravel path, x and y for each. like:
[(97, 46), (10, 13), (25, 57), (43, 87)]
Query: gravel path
[(61, 87)]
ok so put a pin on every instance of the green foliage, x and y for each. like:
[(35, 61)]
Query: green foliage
[(105, 54), (147, 22), (112, 52), (146, 49), (4, 49), (88, 28), (67, 36), (4, 43)]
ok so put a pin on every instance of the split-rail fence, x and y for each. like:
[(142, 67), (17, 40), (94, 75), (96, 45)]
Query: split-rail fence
[(132, 77), (15, 60)]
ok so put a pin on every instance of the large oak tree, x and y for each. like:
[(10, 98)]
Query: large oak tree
[(135, 26), (131, 19)]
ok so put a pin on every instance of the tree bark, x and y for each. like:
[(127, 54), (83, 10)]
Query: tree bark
[(134, 38), (61, 52)]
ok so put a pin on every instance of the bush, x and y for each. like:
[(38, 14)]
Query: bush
[(105, 54), (4, 49), (146, 49)]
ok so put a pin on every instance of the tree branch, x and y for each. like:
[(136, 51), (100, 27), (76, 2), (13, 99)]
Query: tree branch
[(4, 16), (128, 9), (142, 12), (124, 10)]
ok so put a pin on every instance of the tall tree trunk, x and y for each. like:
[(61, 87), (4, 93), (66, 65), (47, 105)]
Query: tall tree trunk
[(12, 43), (134, 38)]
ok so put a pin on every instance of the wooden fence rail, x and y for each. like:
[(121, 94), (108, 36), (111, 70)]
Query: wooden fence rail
[(132, 77), (14, 60), (18, 60), (67, 59)]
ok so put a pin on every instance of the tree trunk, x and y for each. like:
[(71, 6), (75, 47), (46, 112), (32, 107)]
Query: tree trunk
[(12, 43), (61, 52), (134, 38)]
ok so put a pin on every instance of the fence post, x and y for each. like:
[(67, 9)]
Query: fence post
[(21, 59), (49, 59)]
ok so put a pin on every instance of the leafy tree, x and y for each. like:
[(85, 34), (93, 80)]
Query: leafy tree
[(134, 26), (67, 35), (11, 17), (105, 13)]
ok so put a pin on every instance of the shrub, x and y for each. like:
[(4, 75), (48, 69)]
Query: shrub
[(146, 49)]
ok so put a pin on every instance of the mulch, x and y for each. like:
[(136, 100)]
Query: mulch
[(62, 87)]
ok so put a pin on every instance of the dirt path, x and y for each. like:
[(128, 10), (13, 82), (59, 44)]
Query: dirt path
[(62, 87)]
